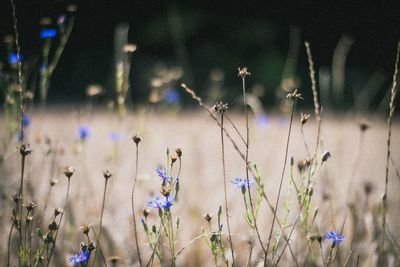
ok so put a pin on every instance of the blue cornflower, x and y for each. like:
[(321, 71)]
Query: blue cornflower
[(159, 203), (26, 121), (80, 258), (162, 173), (13, 58), (48, 33), (83, 132), (241, 183), (115, 136), (335, 237), (172, 96)]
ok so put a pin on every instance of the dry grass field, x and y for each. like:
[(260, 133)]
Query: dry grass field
[(347, 191)]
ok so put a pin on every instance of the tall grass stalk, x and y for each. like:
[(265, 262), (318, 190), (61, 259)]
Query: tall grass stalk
[(59, 224), (106, 175), (222, 111), (243, 74), (137, 140), (293, 96), (392, 107)]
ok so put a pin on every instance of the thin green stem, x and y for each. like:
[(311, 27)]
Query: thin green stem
[(225, 193), (133, 204), (281, 182)]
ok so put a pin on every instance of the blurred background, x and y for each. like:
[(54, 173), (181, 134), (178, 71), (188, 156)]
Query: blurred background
[(203, 42)]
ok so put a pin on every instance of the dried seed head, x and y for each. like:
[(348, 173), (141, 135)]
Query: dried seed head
[(25, 150), (325, 156), (107, 174), (53, 226), (91, 246), (303, 164), (304, 118), (28, 95), (94, 90), (58, 211), (48, 238), (368, 187), (29, 219), (53, 182), (208, 217), (243, 72), (220, 107), (16, 198), (294, 95), (85, 229), (69, 171), (178, 152), (114, 259), (129, 48), (364, 126), (137, 138), (31, 206)]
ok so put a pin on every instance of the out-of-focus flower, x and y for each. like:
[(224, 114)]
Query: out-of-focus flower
[(115, 136), (172, 96), (48, 33), (80, 258), (13, 58), (26, 121), (241, 183), (261, 120), (83, 132), (335, 237)]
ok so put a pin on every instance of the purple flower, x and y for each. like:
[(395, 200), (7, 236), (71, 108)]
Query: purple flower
[(162, 173), (159, 203), (261, 120), (335, 237), (80, 258), (83, 132), (241, 183), (26, 121), (13, 58), (48, 33), (115, 137), (172, 96)]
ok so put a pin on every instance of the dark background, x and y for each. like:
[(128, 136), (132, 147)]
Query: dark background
[(219, 34)]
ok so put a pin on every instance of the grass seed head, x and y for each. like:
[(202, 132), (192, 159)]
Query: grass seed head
[(107, 174), (69, 171)]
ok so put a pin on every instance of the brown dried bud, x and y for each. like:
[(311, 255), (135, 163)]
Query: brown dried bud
[(207, 217), (53, 226), (85, 229), (325, 156), (243, 72), (368, 187), (53, 182), (69, 171), (364, 126), (114, 259), (107, 174), (91, 246), (165, 190), (304, 118), (137, 138), (174, 157), (178, 152), (146, 213), (58, 211)]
